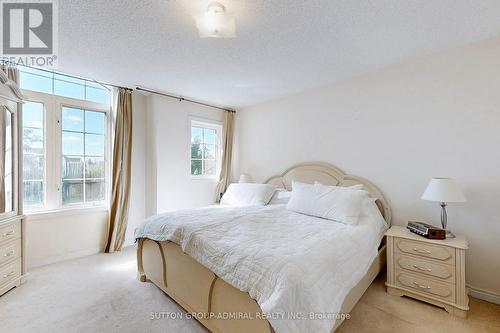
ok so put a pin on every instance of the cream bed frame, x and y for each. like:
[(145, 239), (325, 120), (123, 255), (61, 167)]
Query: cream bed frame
[(201, 293)]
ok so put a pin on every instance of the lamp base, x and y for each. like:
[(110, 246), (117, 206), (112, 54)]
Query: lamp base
[(449, 234)]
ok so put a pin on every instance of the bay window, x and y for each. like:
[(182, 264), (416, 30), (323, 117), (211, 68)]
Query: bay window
[(66, 124)]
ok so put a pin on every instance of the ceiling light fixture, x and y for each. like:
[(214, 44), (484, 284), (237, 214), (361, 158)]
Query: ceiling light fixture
[(215, 22)]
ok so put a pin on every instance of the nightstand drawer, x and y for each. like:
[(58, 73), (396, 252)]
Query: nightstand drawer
[(10, 272), (10, 231), (10, 251), (443, 253), (441, 271), (443, 291)]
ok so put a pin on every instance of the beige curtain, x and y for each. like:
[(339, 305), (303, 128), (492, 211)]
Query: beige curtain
[(12, 72), (122, 153), (225, 173)]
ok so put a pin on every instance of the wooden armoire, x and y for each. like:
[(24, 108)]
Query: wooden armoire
[(12, 226)]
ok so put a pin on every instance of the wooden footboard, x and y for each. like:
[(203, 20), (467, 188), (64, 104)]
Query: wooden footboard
[(197, 289), (200, 292)]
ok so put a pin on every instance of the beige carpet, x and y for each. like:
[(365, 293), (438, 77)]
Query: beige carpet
[(100, 293)]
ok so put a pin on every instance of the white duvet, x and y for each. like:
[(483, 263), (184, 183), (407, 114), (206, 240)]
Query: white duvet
[(292, 264)]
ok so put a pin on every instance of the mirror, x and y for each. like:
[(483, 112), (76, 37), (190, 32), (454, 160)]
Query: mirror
[(6, 161)]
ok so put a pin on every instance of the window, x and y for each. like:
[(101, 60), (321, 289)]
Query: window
[(205, 153), (65, 141), (34, 154), (62, 85), (83, 143)]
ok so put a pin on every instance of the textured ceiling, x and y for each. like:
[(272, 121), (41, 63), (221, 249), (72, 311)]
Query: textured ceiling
[(283, 46)]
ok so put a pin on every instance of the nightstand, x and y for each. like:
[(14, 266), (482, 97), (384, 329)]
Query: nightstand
[(429, 270)]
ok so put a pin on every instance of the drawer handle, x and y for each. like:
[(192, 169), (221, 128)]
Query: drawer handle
[(9, 254), (421, 251), (10, 233), (9, 274), (421, 286), (425, 269)]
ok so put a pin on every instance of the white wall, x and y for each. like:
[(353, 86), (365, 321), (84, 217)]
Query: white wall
[(170, 186), (61, 236), (399, 127), (137, 208), (64, 235)]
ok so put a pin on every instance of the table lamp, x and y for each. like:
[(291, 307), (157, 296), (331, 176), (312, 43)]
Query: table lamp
[(443, 190), (245, 178)]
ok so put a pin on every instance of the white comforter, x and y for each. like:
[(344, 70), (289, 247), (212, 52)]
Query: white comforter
[(291, 264)]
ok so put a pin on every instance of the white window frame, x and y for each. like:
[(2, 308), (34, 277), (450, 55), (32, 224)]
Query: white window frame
[(53, 150), (211, 124)]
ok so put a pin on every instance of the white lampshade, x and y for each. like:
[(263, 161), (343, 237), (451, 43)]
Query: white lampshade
[(443, 190), (216, 22), (245, 178)]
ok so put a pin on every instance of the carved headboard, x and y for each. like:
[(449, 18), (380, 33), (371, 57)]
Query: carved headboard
[(328, 174)]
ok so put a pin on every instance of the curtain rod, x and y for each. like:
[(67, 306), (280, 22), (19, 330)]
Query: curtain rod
[(182, 99), (70, 75), (179, 98)]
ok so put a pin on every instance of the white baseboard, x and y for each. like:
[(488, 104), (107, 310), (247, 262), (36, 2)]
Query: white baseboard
[(33, 263), (485, 295)]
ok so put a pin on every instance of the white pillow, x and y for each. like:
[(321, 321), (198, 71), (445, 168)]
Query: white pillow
[(352, 187), (281, 197), (371, 210), (335, 203), (246, 194)]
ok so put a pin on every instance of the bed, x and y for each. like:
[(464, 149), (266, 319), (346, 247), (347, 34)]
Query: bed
[(177, 268)]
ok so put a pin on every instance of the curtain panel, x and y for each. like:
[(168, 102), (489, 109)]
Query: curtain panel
[(122, 155), (12, 72), (225, 173)]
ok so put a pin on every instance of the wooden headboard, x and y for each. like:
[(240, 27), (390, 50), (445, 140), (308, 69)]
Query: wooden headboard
[(328, 174)]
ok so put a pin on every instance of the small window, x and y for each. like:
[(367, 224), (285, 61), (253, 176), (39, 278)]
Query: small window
[(205, 153), (83, 156)]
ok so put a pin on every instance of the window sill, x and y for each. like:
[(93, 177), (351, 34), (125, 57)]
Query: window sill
[(205, 178), (70, 211)]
